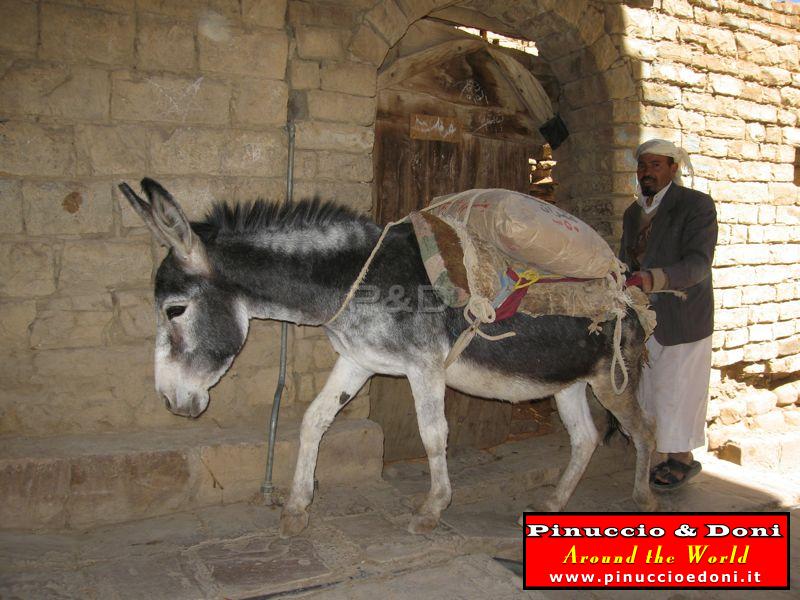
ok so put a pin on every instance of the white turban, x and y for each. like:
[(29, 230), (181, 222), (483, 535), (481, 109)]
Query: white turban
[(665, 148)]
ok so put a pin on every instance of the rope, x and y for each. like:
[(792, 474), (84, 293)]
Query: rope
[(360, 279), (362, 275)]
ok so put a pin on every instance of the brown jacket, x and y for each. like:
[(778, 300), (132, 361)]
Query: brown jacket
[(682, 242)]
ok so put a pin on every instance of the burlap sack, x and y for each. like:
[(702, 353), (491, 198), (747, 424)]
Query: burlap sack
[(531, 231)]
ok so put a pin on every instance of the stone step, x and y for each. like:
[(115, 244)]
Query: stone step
[(773, 451), (81, 481)]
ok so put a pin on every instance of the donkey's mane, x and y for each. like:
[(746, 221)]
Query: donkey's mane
[(262, 216)]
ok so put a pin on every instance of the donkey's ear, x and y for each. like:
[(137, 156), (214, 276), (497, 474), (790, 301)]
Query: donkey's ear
[(169, 219), (145, 211)]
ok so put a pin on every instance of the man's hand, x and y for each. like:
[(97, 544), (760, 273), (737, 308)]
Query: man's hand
[(642, 279)]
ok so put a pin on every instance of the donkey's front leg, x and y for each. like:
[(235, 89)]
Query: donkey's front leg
[(343, 383), (428, 389)]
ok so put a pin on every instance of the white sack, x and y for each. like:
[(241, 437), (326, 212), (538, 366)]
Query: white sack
[(531, 231)]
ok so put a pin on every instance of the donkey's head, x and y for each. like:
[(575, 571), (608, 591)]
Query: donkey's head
[(200, 323)]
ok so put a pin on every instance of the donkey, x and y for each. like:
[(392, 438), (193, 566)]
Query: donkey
[(297, 263)]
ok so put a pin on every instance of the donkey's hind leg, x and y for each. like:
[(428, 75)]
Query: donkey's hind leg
[(573, 408), (428, 390), (345, 380), (625, 407)]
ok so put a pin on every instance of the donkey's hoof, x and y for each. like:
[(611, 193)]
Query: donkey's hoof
[(293, 523), (422, 524)]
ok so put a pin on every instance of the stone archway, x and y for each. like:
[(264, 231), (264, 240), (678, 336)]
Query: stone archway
[(598, 93), (594, 89)]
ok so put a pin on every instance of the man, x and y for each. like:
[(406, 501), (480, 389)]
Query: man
[(668, 241)]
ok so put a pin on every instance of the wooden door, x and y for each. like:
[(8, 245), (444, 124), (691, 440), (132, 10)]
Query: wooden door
[(409, 173)]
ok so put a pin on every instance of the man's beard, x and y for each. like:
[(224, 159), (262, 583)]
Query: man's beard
[(648, 186)]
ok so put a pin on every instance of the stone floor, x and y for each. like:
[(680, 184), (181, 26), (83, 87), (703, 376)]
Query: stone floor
[(357, 545)]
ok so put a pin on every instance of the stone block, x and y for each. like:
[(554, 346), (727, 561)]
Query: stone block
[(30, 149), (265, 13), (304, 74), (753, 111), (55, 90), (731, 318), (349, 78), (315, 135), (744, 150), (35, 492), (111, 150), (741, 254), (768, 422), (67, 208), (186, 151), (784, 329), (20, 26), (763, 313), (255, 153), (679, 8), (357, 196), (760, 333), (791, 416), (725, 127), (757, 294), (317, 14), (736, 338), (605, 52), (388, 20), (344, 108), (732, 411), (784, 194), (730, 298), (165, 45), (787, 394), (787, 117), (788, 215), (69, 329), (759, 352), (256, 53), (93, 265), (320, 43), (15, 321), (725, 84), (11, 206), (166, 99), (369, 46), (789, 346), (786, 365), (619, 83), (75, 34), (136, 313), (756, 132), (773, 76), (344, 167), (259, 102), (752, 452), (744, 192), (26, 269)]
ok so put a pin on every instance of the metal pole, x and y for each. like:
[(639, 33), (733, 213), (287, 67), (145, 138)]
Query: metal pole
[(267, 488)]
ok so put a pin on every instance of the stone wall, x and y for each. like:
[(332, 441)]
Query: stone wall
[(195, 93)]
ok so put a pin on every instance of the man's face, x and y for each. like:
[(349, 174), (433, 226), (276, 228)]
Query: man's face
[(654, 172)]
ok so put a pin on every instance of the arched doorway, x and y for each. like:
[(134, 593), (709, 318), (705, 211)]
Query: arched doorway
[(580, 68)]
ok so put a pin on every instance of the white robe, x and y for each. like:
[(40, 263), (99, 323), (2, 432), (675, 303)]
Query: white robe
[(674, 391)]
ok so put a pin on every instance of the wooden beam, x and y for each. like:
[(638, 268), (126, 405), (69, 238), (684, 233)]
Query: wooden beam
[(528, 88), (408, 66)]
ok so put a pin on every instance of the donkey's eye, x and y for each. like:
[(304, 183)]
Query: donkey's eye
[(174, 311)]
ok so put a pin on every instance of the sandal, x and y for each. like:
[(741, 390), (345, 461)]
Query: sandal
[(667, 471)]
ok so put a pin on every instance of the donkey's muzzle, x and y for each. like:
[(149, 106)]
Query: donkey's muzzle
[(193, 405)]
